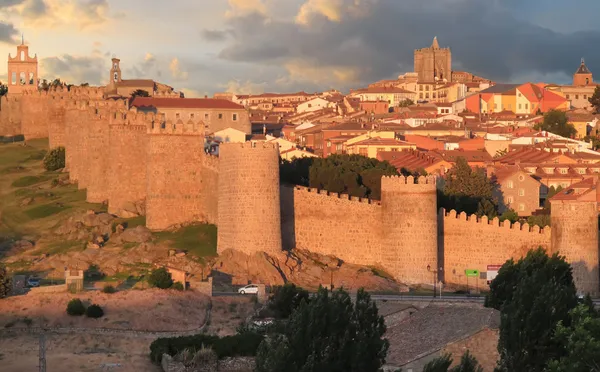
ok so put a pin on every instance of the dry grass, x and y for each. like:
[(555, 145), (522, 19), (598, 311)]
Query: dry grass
[(228, 313), (76, 353), (153, 310)]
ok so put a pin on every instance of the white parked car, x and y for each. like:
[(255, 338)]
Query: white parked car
[(33, 282), (249, 289)]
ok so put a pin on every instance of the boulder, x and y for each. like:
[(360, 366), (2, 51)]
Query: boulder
[(92, 245), (139, 234), (25, 202)]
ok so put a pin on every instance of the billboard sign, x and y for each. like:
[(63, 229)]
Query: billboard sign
[(472, 272), (492, 272)]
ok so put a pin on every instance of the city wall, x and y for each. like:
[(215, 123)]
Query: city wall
[(144, 164)]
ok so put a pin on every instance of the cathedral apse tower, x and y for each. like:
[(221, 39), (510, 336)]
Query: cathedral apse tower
[(434, 63)]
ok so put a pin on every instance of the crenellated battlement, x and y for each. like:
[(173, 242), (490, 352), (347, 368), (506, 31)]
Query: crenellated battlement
[(252, 145), (335, 195), (493, 223), (166, 94), (408, 184), (179, 128)]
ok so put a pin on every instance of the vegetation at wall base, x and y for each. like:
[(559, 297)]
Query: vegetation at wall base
[(94, 311), (241, 344), (178, 286), (5, 282), (55, 159), (109, 289), (286, 298), (533, 296), (329, 333), (75, 307), (160, 278)]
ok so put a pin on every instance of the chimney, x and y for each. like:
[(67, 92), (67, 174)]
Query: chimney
[(205, 96)]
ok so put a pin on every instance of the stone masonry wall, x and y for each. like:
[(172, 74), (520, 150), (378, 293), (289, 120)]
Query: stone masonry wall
[(468, 243), (56, 122), (127, 165), (34, 120), (210, 185), (575, 236), (409, 227), (10, 115), (249, 210), (98, 156), (174, 186), (331, 224)]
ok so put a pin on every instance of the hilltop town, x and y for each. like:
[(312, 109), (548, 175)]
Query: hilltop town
[(144, 164)]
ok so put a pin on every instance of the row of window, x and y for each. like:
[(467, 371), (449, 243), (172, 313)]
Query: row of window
[(509, 201), (22, 78), (192, 116), (577, 96)]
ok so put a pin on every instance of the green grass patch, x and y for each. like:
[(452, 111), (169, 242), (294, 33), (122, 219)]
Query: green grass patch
[(13, 169), (129, 245), (46, 210), (27, 181), (197, 240)]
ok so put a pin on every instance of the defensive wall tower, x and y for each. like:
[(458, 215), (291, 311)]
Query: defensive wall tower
[(98, 157), (575, 236), (409, 228), (10, 115), (210, 185), (249, 215), (174, 185), (128, 161)]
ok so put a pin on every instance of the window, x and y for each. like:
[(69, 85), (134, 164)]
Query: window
[(421, 95), (380, 149), (568, 96), (22, 78), (521, 192), (577, 96), (22, 56), (426, 95), (363, 151), (328, 143), (510, 184), (220, 116), (526, 106), (564, 171), (585, 96), (31, 78), (521, 207), (521, 178), (177, 116), (13, 79), (205, 116), (191, 116), (581, 170), (309, 105), (234, 117), (509, 200)]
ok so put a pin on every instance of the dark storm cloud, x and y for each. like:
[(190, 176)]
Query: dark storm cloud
[(8, 33), (35, 8), (214, 35), (485, 39), (7, 3), (76, 69)]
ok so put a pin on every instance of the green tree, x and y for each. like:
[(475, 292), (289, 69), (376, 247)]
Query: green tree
[(54, 159), (581, 340), (140, 93), (555, 121), (510, 215), (329, 333), (469, 190), (160, 278), (3, 89), (286, 298), (468, 363), (533, 295), (595, 99), (541, 220), (5, 282), (75, 307), (407, 102)]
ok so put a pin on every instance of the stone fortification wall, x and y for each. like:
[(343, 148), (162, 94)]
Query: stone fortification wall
[(10, 115), (174, 185), (249, 210), (331, 224), (469, 243), (56, 121), (210, 185), (34, 111), (94, 175), (409, 227), (73, 126), (575, 236), (127, 165)]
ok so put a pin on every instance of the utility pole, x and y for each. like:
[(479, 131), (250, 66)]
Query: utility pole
[(42, 353)]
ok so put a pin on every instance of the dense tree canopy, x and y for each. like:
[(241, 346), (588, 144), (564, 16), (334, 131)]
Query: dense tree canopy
[(469, 190), (3, 89), (330, 333), (5, 282), (468, 363), (140, 93), (533, 296), (581, 342), (354, 175), (595, 99), (556, 122)]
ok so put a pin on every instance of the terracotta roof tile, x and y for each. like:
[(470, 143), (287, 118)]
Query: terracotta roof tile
[(186, 103)]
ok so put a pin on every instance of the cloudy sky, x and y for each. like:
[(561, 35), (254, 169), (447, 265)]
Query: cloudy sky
[(251, 46)]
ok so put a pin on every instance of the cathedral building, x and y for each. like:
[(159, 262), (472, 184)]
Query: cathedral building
[(434, 63)]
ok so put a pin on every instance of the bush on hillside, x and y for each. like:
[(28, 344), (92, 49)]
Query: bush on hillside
[(55, 159), (94, 311), (285, 299), (75, 307), (243, 344), (160, 278), (109, 289), (177, 286)]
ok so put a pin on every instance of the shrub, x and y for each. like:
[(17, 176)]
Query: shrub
[(286, 298), (244, 344), (26, 181), (109, 289), (94, 311), (55, 159), (160, 278), (75, 307), (177, 286)]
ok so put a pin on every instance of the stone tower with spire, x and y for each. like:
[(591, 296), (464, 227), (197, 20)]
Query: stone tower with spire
[(434, 63), (22, 71), (583, 76)]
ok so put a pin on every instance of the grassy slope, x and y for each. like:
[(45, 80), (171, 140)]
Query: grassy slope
[(22, 176)]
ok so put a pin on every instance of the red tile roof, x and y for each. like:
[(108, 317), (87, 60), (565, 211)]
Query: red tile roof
[(137, 83), (377, 141), (186, 103)]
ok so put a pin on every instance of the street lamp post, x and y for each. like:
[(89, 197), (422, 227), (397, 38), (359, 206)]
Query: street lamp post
[(435, 272)]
